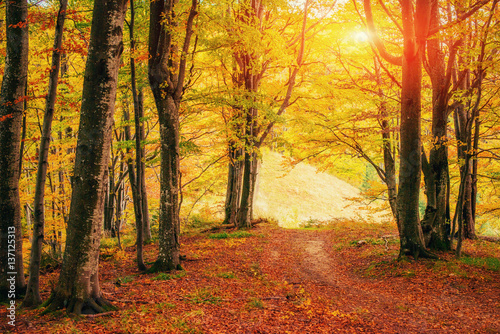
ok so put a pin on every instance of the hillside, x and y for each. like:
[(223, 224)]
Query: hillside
[(302, 194)]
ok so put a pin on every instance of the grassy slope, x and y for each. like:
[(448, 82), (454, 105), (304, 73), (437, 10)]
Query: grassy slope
[(303, 194)]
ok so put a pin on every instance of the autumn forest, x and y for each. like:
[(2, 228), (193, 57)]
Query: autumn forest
[(250, 166)]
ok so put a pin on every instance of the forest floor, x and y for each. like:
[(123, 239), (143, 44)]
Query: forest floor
[(342, 278)]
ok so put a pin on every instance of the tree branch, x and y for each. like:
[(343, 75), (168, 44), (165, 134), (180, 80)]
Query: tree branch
[(376, 40)]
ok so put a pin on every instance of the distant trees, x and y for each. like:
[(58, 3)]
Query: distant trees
[(78, 286), (12, 97), (249, 33)]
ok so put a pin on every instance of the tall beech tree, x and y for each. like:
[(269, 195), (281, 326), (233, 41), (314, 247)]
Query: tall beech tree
[(436, 221), (78, 286), (167, 72), (32, 297), (11, 115), (415, 29)]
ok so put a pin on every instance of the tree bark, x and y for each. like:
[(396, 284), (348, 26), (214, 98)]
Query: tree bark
[(415, 27), (78, 286), (166, 78), (32, 297), (11, 114), (466, 218), (435, 225)]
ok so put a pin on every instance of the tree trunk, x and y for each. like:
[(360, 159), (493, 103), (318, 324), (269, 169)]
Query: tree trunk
[(409, 170), (248, 186), (387, 148), (135, 195), (139, 137), (78, 286), (167, 71), (474, 173), (415, 25), (169, 222), (11, 114), (435, 225), (139, 205), (146, 224), (254, 173), (120, 202), (466, 218), (109, 201), (234, 183), (32, 297)]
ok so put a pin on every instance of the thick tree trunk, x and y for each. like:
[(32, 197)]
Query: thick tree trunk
[(167, 70), (409, 170), (78, 286), (415, 27), (11, 115), (169, 222), (415, 32), (435, 224), (32, 297)]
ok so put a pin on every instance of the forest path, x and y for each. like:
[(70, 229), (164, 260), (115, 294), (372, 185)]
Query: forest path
[(308, 259)]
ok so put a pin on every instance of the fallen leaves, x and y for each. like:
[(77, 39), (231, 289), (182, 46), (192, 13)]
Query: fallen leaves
[(295, 281)]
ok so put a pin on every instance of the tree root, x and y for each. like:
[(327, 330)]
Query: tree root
[(32, 298), (160, 266), (78, 306), (417, 252)]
